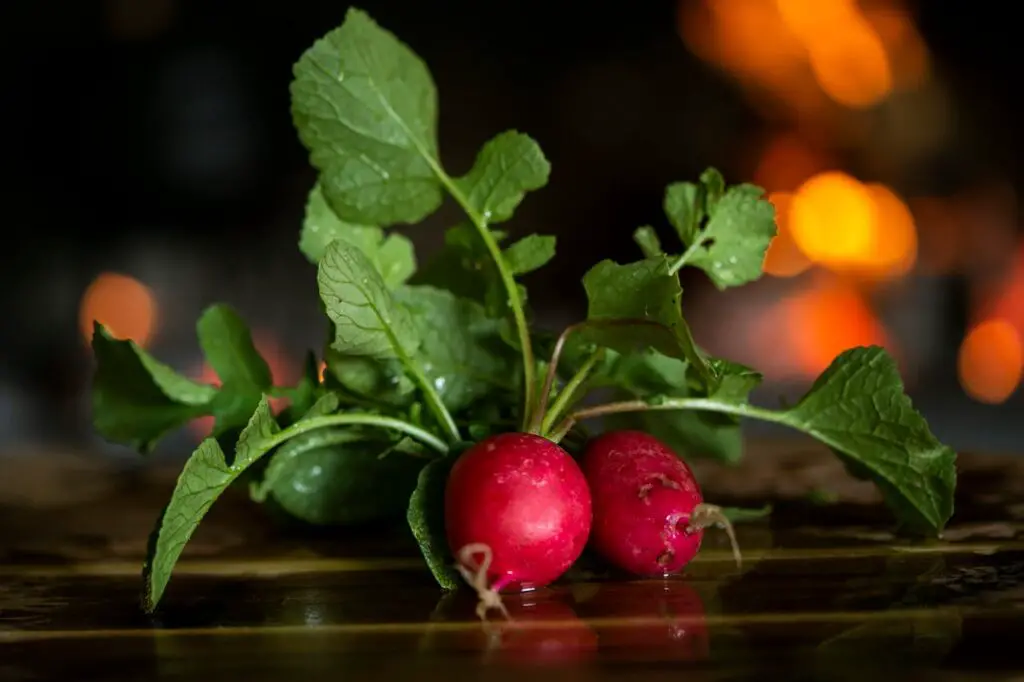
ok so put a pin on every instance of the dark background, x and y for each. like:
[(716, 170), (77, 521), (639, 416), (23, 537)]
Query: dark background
[(153, 138)]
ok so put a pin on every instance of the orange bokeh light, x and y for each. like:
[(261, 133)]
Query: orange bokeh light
[(991, 361), (810, 19), (851, 66), (894, 243), (732, 32), (785, 163), (798, 335), (123, 304), (832, 218), (844, 225), (784, 258), (806, 52), (845, 54), (906, 49), (826, 320)]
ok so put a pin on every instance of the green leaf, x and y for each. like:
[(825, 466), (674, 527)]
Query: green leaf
[(173, 385), (643, 290), (395, 259), (426, 520), (713, 187), (137, 399), (647, 239), (305, 394), (379, 381), (365, 107), (392, 255), (228, 347), (734, 381), (465, 268), (684, 206), (367, 322), (507, 167), (646, 291), (691, 434), (206, 475), (326, 404), (732, 246), (687, 204), (461, 350), (338, 477), (321, 226), (244, 374), (858, 408), (529, 253)]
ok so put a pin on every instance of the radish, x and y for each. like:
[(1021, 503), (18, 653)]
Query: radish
[(649, 514), (517, 514)]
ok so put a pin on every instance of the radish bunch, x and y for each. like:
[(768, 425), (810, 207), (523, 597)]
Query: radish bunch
[(418, 361), (519, 510)]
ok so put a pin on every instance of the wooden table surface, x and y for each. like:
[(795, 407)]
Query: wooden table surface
[(826, 592)]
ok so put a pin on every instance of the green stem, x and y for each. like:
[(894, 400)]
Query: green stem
[(434, 401), (539, 418), (689, 345), (408, 429), (514, 302), (566, 395), (705, 404), (343, 398), (686, 256), (480, 223)]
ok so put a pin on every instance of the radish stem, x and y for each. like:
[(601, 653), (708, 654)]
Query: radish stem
[(705, 404), (351, 418), (539, 422), (566, 395)]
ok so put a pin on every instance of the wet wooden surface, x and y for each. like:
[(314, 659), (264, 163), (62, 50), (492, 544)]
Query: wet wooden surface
[(826, 591)]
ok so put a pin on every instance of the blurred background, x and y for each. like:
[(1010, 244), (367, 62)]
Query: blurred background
[(153, 170)]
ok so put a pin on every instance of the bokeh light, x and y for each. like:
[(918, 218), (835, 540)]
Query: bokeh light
[(832, 218), (784, 258), (845, 225), (991, 361), (123, 304)]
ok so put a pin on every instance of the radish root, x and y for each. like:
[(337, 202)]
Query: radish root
[(475, 574), (708, 515)]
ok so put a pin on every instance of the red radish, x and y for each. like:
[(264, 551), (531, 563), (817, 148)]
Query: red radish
[(649, 514), (522, 503)]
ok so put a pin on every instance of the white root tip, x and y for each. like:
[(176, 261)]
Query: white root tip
[(708, 515), (475, 575)]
